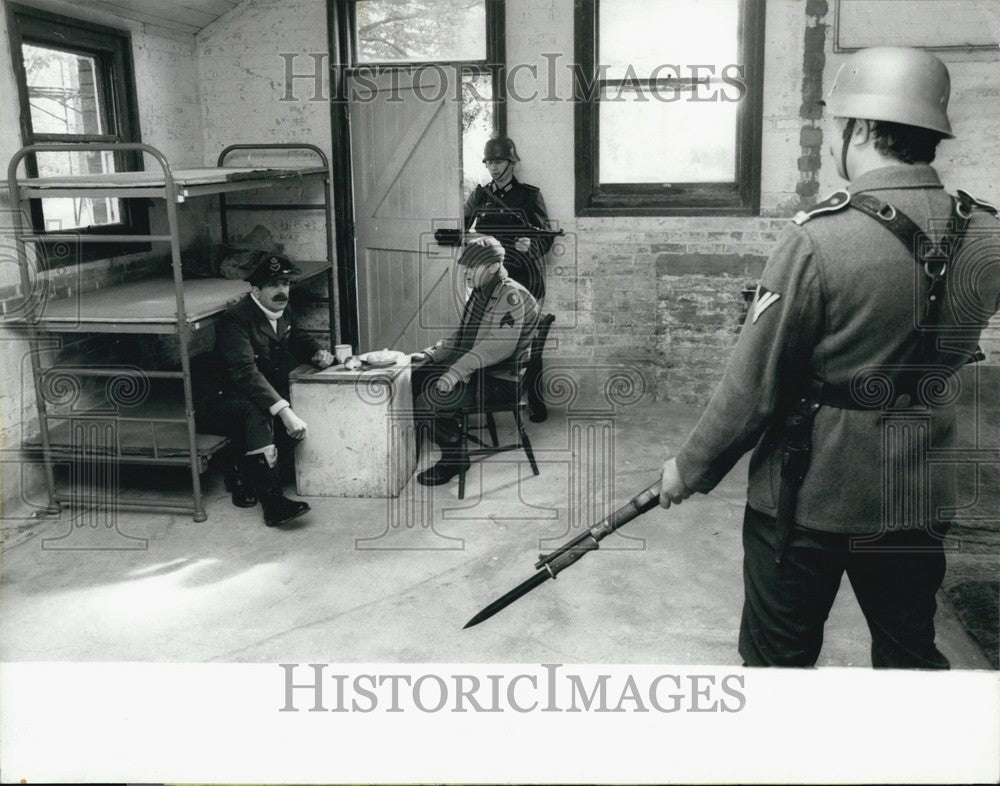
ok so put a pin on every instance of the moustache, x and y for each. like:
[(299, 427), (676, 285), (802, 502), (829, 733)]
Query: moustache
[(280, 299)]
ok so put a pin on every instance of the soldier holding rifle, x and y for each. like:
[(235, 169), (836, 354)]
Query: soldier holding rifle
[(501, 209), (866, 296)]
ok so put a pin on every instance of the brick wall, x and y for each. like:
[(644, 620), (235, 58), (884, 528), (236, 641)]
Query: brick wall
[(662, 296), (665, 296), (241, 76)]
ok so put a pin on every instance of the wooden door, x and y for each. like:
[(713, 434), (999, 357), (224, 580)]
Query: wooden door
[(407, 169)]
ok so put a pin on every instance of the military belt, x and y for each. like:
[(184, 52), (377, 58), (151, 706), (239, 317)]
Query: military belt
[(934, 257)]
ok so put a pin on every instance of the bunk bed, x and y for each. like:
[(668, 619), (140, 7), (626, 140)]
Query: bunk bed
[(157, 430)]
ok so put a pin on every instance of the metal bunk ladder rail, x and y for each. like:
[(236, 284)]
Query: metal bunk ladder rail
[(170, 197), (332, 301)]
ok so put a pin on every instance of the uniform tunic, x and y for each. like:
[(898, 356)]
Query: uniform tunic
[(840, 295), (498, 212), (248, 374), (494, 337), (839, 300)]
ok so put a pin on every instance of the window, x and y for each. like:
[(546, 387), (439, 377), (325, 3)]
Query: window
[(75, 85), (668, 111), (466, 35)]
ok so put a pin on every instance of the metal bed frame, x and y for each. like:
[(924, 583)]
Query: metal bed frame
[(172, 193)]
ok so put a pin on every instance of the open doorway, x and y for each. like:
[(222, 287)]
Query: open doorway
[(396, 44)]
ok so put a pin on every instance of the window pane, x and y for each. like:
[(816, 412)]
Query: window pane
[(650, 33), (67, 213), (650, 141), (478, 125), (62, 91), (413, 30)]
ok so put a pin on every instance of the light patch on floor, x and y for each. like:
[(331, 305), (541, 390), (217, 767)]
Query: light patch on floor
[(394, 581)]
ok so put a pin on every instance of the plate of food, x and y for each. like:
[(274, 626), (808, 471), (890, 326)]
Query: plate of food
[(382, 358)]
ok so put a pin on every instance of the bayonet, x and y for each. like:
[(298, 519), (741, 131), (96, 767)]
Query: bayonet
[(550, 565)]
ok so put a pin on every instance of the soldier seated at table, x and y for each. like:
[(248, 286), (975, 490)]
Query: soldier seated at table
[(257, 344), (482, 360)]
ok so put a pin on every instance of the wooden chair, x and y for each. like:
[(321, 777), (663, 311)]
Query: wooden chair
[(515, 407)]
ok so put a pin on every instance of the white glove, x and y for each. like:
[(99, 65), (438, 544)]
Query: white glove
[(294, 425)]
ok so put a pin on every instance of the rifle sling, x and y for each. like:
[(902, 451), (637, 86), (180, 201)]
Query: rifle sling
[(934, 257)]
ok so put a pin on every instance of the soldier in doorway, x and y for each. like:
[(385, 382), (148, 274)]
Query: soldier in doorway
[(866, 297), (499, 209)]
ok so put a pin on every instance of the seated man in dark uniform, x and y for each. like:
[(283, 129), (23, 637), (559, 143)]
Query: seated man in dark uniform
[(257, 344), (500, 209), (479, 361)]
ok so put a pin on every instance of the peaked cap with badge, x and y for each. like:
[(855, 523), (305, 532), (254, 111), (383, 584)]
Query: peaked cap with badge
[(269, 267)]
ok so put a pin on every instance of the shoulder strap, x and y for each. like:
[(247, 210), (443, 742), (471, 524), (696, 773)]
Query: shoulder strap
[(933, 256), (967, 203), (834, 203)]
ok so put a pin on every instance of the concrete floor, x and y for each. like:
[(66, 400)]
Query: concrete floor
[(356, 582)]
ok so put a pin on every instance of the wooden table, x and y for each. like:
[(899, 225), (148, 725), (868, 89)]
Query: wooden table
[(360, 439)]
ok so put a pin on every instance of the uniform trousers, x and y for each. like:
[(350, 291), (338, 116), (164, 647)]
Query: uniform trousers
[(245, 422), (438, 409), (895, 579)]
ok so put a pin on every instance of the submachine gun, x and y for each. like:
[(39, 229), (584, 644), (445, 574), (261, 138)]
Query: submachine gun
[(501, 221), (453, 237)]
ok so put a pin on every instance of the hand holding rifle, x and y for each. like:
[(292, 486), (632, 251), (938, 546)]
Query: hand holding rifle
[(672, 488), (550, 565)]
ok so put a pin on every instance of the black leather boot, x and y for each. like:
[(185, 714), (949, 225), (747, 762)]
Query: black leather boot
[(278, 509), (449, 465), (239, 485)]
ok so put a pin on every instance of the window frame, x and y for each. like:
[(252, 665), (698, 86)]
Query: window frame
[(739, 198), (493, 65), (111, 50)]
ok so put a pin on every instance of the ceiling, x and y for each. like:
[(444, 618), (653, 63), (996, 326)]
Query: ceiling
[(178, 16)]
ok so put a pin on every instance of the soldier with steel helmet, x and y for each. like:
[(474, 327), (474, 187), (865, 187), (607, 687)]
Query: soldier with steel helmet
[(499, 209), (867, 307)]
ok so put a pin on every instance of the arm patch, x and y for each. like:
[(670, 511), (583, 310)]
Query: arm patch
[(764, 299)]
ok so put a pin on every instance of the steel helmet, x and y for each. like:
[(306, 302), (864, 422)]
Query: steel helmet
[(894, 84), (502, 147)]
